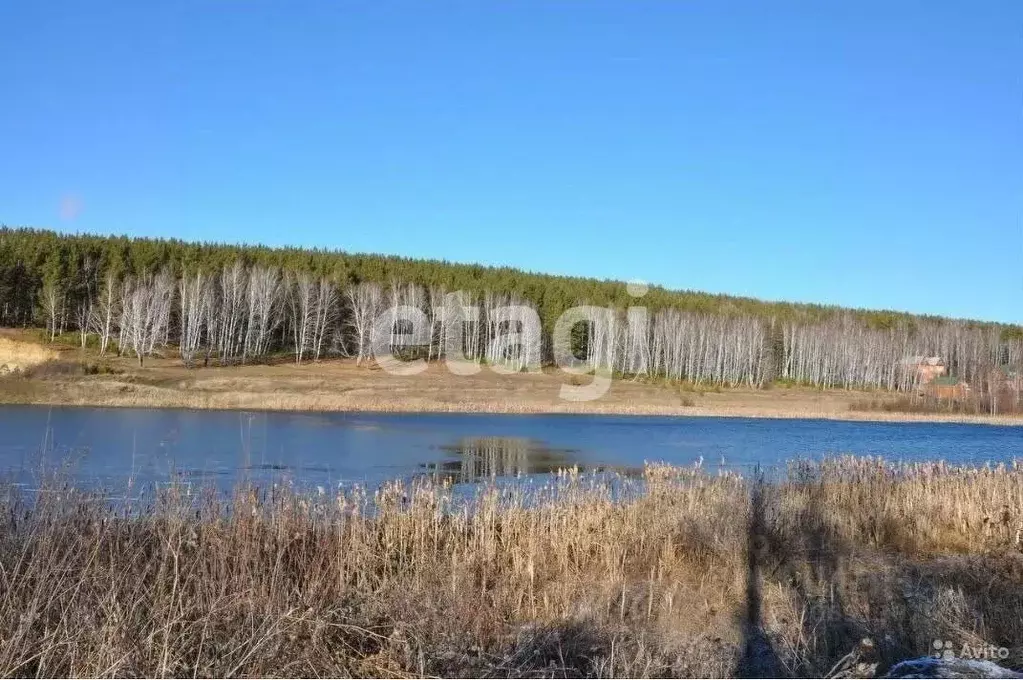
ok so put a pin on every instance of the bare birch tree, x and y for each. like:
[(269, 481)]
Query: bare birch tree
[(146, 304), (105, 312), (194, 297), (365, 301), (325, 314), (231, 310), (264, 302), (302, 298), (51, 298)]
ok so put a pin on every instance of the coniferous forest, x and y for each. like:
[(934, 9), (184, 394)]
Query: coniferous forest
[(225, 304)]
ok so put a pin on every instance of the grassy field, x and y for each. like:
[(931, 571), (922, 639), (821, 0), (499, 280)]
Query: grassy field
[(63, 374), (683, 573)]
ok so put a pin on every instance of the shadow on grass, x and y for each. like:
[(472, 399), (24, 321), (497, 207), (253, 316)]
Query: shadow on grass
[(758, 657)]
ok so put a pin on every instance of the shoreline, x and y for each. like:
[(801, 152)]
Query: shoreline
[(202, 400)]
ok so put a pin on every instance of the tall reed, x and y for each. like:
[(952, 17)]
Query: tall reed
[(676, 572)]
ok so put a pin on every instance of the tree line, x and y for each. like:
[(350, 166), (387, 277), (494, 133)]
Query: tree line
[(233, 304)]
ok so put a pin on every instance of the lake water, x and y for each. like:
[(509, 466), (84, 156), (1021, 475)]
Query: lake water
[(106, 447)]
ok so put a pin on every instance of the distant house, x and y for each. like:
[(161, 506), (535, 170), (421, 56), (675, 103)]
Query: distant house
[(923, 370), (947, 387)]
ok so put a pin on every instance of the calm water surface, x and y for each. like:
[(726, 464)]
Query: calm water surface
[(106, 447)]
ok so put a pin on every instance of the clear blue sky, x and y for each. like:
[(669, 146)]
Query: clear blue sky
[(860, 153)]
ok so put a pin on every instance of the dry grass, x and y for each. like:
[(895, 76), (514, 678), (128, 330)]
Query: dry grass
[(1007, 404), (19, 356), (676, 573)]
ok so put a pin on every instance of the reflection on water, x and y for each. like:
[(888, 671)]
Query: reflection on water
[(114, 448), (476, 458), (282, 467)]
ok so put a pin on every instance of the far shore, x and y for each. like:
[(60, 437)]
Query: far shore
[(340, 385), (299, 403)]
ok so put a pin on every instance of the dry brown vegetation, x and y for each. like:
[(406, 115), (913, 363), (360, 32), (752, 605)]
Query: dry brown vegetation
[(17, 355), (1004, 403), (678, 572)]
